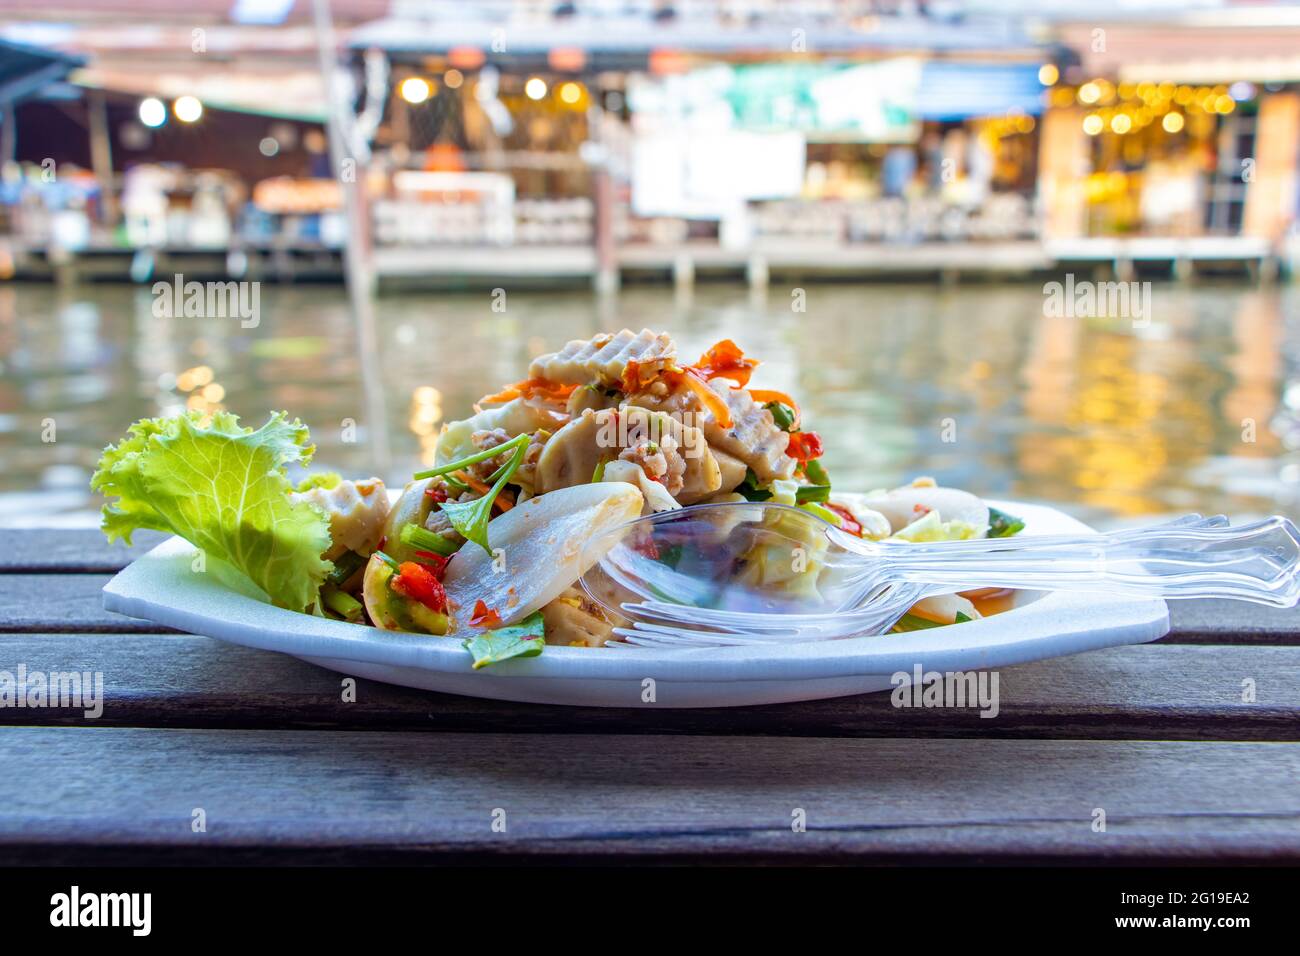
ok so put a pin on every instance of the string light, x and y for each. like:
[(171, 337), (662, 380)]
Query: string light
[(415, 89), (152, 112), (188, 109)]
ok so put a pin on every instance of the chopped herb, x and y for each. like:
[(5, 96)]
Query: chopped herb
[(808, 493), (816, 472), (525, 639), (671, 555), (386, 559), (516, 442), (599, 473), (830, 517), (751, 489), (341, 603), (1003, 525), (471, 518), (910, 622), (962, 618), (455, 484), (422, 539), (346, 565), (782, 414)]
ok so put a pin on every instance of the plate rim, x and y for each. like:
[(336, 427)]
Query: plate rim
[(1057, 624)]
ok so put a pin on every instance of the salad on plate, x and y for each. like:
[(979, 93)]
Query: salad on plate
[(486, 546)]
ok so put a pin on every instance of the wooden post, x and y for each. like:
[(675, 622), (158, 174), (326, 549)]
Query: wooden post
[(101, 154), (350, 172), (606, 278), (8, 132)]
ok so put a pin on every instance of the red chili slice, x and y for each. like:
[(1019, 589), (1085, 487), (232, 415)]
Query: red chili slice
[(484, 616), (418, 583), (804, 446), (437, 563)]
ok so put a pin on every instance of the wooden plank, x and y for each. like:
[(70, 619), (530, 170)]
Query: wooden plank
[(37, 550), (71, 793), (1232, 622), (1145, 692), (61, 602)]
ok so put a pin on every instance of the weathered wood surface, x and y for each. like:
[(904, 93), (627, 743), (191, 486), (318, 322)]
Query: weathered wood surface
[(69, 549), (1159, 736), (71, 601), (61, 602), (1173, 693), (414, 795)]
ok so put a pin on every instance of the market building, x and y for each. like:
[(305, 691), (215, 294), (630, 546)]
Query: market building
[(603, 143)]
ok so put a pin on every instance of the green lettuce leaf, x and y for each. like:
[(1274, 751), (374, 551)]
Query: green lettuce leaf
[(224, 489), (326, 480), (525, 639)]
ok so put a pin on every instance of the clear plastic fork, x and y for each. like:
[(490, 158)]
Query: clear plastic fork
[(1190, 557)]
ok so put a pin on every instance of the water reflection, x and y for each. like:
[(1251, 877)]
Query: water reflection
[(1199, 410)]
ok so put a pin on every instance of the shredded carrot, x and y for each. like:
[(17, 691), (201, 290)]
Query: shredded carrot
[(725, 359), (465, 479), (502, 502), (637, 377), (531, 388), (712, 401), (507, 394)]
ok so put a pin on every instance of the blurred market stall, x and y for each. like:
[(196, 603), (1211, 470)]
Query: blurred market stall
[(595, 141)]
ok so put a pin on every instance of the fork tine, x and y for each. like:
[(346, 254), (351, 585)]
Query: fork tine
[(731, 620), (651, 634)]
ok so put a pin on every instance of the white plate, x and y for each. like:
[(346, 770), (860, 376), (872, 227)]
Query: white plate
[(161, 587)]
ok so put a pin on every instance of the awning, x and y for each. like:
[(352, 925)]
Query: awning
[(627, 41), (26, 70), (1195, 51)]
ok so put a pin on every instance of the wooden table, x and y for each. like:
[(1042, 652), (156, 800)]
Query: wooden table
[(265, 752)]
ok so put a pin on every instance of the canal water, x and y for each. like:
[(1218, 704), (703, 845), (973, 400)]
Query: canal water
[(980, 386)]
